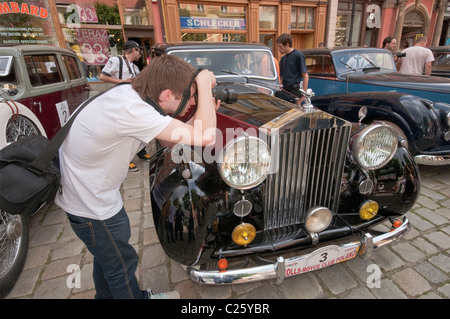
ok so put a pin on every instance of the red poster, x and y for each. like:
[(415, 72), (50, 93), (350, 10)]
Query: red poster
[(94, 45)]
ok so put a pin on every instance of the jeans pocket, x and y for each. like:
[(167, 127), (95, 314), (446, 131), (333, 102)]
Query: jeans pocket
[(85, 231)]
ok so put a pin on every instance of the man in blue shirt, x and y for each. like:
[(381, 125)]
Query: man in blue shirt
[(293, 68)]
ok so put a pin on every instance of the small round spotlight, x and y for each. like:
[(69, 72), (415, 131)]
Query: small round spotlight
[(243, 234), (368, 210), (318, 219)]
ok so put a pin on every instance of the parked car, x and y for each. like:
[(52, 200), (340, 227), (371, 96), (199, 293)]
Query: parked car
[(427, 140), (441, 64), (346, 70), (41, 87), (279, 179)]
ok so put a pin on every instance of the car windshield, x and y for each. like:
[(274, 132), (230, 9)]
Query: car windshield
[(359, 60), (258, 64)]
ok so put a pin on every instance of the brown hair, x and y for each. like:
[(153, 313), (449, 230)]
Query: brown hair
[(166, 72), (284, 39)]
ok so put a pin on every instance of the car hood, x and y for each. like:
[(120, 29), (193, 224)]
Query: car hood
[(399, 80), (249, 107)]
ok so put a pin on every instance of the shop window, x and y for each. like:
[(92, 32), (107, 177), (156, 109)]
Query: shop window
[(344, 25), (267, 17), (26, 22), (302, 18), (43, 69), (214, 37), (94, 31)]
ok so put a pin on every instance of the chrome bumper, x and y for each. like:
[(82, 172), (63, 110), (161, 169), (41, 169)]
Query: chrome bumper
[(432, 160), (277, 270)]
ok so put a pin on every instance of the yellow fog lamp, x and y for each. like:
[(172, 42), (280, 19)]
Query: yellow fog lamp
[(243, 234), (368, 210)]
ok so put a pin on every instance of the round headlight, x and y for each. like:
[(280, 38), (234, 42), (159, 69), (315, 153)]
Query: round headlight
[(375, 146), (245, 162), (318, 219)]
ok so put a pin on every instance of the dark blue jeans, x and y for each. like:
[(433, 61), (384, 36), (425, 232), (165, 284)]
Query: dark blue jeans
[(115, 260)]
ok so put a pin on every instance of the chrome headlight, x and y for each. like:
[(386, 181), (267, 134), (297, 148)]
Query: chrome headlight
[(245, 162), (374, 146)]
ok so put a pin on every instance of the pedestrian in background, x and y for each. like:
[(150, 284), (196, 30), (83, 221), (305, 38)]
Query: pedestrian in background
[(417, 60), (293, 68), (382, 60), (122, 69), (390, 43)]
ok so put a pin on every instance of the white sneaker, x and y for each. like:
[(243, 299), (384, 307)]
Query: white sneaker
[(164, 295)]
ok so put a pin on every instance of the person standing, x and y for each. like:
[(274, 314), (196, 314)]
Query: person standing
[(100, 143), (122, 69), (417, 60), (293, 68), (383, 61)]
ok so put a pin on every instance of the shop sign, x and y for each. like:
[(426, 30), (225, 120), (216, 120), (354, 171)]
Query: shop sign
[(26, 23), (94, 45), (82, 13), (212, 23), (374, 16), (30, 9)]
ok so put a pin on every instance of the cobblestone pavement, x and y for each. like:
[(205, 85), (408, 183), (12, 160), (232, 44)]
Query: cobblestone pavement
[(418, 266)]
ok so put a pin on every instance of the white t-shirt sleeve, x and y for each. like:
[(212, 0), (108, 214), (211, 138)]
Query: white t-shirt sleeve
[(112, 67)]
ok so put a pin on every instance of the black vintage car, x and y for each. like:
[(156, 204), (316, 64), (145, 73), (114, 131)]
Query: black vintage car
[(279, 179)]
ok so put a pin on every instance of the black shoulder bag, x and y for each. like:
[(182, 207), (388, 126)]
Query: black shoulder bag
[(29, 171)]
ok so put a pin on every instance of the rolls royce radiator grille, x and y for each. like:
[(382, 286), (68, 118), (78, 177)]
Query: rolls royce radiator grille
[(309, 174)]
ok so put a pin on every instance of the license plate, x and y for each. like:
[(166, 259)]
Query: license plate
[(320, 258)]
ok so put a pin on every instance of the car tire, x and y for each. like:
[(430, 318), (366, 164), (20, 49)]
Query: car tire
[(17, 122), (17, 247), (397, 130)]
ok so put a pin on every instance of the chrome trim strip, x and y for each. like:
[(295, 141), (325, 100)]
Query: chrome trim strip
[(432, 160), (276, 270), (310, 170)]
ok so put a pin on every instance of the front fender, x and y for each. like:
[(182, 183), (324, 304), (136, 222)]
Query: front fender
[(194, 188)]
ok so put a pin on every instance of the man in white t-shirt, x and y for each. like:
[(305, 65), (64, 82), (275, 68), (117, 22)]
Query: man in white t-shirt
[(417, 60), (101, 142), (121, 69)]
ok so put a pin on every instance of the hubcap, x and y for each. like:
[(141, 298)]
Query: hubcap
[(14, 230)]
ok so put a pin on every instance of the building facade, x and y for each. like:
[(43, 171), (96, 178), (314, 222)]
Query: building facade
[(97, 29)]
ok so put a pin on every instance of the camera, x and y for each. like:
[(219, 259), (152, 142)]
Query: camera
[(225, 95), (400, 54)]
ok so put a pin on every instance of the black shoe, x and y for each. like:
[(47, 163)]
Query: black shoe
[(132, 167), (144, 157)]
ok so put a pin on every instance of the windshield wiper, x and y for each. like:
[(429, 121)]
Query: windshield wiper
[(348, 66), (235, 73)]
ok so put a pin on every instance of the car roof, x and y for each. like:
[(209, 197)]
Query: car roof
[(445, 48), (197, 45), (34, 48), (341, 49)]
